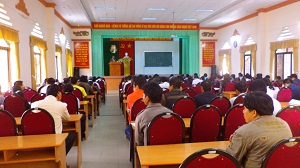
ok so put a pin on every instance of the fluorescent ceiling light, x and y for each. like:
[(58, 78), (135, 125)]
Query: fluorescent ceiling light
[(189, 19), (157, 9), (107, 18), (149, 18), (105, 7), (204, 10)]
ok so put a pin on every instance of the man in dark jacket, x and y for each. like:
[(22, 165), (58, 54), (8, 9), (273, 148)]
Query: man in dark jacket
[(206, 95)]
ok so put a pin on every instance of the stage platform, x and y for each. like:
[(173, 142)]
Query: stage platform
[(112, 82)]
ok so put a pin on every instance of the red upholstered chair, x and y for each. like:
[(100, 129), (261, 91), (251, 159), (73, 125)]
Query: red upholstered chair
[(205, 124), (137, 107), (37, 97), (284, 94), (233, 119), (285, 153), (14, 104), (9, 92), (28, 94), (36, 121), (78, 94), (197, 89), (166, 128), (184, 85), (221, 159), (229, 86), (291, 114), (129, 90), (185, 107), (222, 103), (8, 124), (71, 100), (192, 93), (239, 99)]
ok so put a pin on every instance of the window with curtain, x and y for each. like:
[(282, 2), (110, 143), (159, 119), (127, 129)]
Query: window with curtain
[(248, 68), (9, 57), (69, 62), (4, 69), (224, 69), (58, 65), (38, 44), (37, 66), (284, 62)]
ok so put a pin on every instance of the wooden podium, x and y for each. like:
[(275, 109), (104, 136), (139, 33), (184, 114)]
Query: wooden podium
[(115, 68)]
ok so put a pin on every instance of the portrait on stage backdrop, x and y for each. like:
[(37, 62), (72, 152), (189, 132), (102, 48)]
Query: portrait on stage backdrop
[(113, 49)]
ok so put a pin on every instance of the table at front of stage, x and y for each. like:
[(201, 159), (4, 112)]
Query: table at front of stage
[(173, 154), (73, 124), (47, 150)]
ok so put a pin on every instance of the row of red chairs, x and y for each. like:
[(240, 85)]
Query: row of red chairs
[(33, 121), (289, 148)]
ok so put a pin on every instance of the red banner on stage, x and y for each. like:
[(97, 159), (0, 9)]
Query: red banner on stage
[(208, 53), (81, 54), (151, 26)]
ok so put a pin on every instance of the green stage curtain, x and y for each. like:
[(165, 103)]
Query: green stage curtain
[(189, 50)]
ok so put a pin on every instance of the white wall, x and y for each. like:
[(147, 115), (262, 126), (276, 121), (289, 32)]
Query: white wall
[(264, 29), (159, 46), (49, 23)]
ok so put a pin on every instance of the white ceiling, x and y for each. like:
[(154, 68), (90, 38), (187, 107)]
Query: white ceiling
[(83, 12)]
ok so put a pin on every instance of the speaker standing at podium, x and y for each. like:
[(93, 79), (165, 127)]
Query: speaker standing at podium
[(126, 62)]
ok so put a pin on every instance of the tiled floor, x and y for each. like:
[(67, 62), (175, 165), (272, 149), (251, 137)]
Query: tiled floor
[(106, 146)]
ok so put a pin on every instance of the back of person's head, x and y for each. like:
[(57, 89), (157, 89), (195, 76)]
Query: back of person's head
[(259, 76), (163, 79), (205, 75), (153, 91), (232, 75), (195, 75), (74, 80), (287, 81), (16, 88), (50, 81), (241, 87), (294, 76), (68, 88), (267, 76), (18, 82), (240, 74), (278, 77), (259, 101), (53, 90), (139, 81), (206, 85), (66, 81), (175, 82), (258, 85), (83, 78), (248, 76)]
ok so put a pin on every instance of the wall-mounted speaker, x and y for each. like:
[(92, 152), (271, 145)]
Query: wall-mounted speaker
[(76, 71), (214, 70)]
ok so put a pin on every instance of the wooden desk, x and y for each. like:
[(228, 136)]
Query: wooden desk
[(125, 111), (48, 150), (91, 101), (173, 154), (229, 94), (86, 111), (97, 102), (73, 124)]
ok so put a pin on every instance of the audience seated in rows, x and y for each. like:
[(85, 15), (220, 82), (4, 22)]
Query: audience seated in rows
[(295, 89), (74, 82), (152, 98), (295, 79), (206, 95), (49, 81), (240, 89), (260, 85), (138, 83), (272, 91), (168, 99), (250, 143), (58, 110), (83, 81), (164, 84), (17, 90)]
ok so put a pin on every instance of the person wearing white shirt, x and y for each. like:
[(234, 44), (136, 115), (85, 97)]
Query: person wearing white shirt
[(240, 89), (272, 91), (260, 85), (196, 80), (163, 83), (58, 110)]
